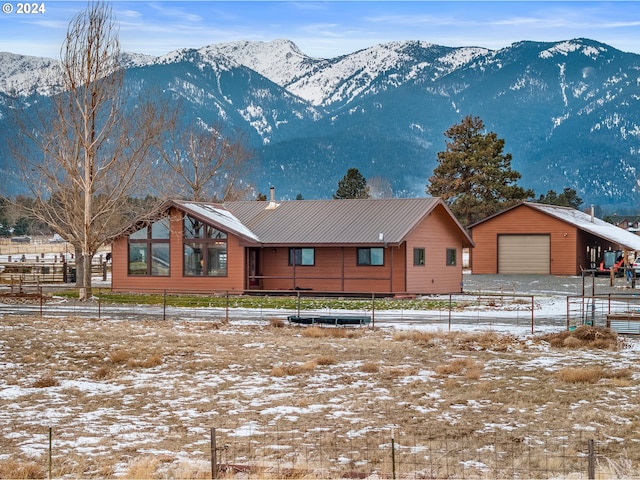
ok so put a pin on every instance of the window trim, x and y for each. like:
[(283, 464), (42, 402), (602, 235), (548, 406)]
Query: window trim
[(210, 239), (451, 259), (293, 258), (369, 263), (419, 256), (148, 241)]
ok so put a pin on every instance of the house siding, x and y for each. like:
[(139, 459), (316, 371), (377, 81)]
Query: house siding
[(435, 234), (176, 281), (565, 257), (335, 270)]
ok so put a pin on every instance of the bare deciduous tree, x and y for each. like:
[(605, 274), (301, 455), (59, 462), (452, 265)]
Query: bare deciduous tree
[(93, 156), (206, 165)]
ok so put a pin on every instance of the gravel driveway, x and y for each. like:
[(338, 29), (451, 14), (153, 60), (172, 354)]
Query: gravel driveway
[(546, 285)]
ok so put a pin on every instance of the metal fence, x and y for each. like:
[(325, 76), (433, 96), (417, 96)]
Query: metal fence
[(617, 311), (417, 452), (444, 311)]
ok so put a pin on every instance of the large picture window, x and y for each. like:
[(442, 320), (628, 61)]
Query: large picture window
[(302, 256), (371, 256), (205, 249), (149, 250)]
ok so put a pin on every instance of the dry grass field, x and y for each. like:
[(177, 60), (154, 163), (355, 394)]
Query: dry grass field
[(137, 399)]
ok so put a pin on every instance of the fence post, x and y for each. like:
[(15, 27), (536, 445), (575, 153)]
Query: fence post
[(373, 310), (164, 305), (226, 306), (592, 461), (214, 459), (50, 452), (40, 296), (533, 307), (99, 305), (449, 312), (393, 454)]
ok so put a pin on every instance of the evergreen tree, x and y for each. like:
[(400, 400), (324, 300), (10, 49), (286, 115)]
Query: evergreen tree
[(568, 198), (473, 176), (352, 185)]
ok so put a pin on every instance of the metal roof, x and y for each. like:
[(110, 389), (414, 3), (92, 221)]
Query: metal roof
[(322, 222), (581, 220), (357, 221), (217, 215), (597, 227)]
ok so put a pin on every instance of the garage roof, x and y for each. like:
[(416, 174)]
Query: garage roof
[(585, 222), (597, 227)]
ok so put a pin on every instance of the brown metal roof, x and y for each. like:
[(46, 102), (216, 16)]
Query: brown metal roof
[(307, 222)]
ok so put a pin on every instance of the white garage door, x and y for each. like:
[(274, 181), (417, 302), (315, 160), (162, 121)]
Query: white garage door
[(524, 254)]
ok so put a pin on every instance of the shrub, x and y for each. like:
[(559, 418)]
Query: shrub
[(276, 322), (152, 361), (17, 469), (370, 367), (47, 380), (326, 360), (119, 356), (581, 374)]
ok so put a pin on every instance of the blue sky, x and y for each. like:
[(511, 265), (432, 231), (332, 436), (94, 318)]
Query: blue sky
[(329, 28)]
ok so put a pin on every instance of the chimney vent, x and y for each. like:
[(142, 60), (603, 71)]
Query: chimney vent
[(272, 199), (593, 213)]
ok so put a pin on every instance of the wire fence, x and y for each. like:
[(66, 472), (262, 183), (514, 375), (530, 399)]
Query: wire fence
[(416, 452), (619, 312), (513, 311), (420, 452)]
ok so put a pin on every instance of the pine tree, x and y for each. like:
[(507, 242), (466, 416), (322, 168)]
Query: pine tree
[(568, 198), (473, 176), (352, 185)]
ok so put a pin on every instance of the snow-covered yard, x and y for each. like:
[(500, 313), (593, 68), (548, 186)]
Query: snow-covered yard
[(138, 398)]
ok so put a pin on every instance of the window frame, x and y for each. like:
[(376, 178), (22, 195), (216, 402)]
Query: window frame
[(299, 262), (199, 236), (419, 256), (148, 240), (367, 262), (451, 257)]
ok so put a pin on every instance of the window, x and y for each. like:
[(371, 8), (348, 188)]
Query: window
[(205, 249), (418, 257), (149, 249), (371, 256), (302, 256), (451, 257)]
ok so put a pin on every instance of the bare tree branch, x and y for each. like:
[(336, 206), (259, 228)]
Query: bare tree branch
[(93, 157)]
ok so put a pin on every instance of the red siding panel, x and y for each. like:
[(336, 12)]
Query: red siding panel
[(565, 258)]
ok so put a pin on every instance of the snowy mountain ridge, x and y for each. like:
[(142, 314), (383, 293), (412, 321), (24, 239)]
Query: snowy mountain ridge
[(569, 110), (320, 82)]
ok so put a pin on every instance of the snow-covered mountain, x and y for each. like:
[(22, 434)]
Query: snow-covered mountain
[(568, 111)]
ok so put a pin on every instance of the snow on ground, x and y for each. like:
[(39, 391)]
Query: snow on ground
[(219, 375)]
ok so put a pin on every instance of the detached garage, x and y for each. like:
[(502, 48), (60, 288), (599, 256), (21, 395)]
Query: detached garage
[(533, 238), (512, 260)]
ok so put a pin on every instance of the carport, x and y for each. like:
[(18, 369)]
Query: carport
[(533, 238)]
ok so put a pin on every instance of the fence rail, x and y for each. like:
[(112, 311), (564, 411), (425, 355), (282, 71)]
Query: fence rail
[(444, 311), (618, 311)]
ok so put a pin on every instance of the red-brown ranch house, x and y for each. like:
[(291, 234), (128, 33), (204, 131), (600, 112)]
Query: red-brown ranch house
[(409, 245)]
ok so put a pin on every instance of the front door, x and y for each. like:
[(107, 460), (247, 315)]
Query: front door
[(254, 268)]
